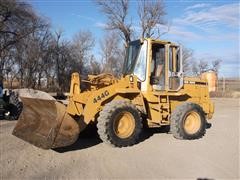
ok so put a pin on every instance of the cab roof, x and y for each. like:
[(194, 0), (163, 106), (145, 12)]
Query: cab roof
[(162, 41)]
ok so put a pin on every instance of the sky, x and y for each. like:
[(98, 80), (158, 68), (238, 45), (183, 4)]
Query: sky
[(209, 27)]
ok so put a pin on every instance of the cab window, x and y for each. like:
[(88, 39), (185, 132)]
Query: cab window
[(158, 67)]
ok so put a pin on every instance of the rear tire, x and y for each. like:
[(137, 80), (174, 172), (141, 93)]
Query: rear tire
[(188, 121), (119, 123), (15, 107)]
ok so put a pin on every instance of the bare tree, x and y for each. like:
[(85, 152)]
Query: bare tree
[(116, 12), (202, 66), (46, 63), (30, 58), (82, 45), (199, 67), (95, 67), (17, 22), (195, 69), (62, 58), (33, 54), (111, 54), (216, 64), (151, 14), (187, 57), (58, 47)]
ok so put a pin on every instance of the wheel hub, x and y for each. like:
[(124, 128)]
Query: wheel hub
[(192, 122), (124, 125)]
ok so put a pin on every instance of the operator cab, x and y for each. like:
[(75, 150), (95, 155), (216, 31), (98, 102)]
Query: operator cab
[(155, 63)]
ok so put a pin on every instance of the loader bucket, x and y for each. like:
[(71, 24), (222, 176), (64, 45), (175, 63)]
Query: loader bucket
[(45, 124)]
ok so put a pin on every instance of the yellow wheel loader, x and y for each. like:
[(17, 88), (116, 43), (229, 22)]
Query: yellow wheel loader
[(152, 91)]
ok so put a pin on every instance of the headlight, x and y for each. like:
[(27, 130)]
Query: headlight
[(131, 79)]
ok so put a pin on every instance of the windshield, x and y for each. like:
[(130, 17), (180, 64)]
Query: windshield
[(131, 57), (141, 64)]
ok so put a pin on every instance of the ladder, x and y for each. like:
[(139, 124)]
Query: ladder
[(164, 109)]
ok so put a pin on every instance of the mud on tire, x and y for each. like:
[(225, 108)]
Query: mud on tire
[(109, 117)]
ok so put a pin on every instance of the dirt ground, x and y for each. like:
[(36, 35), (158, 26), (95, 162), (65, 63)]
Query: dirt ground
[(158, 156)]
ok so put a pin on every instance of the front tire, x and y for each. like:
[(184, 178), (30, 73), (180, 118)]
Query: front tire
[(119, 123), (188, 121)]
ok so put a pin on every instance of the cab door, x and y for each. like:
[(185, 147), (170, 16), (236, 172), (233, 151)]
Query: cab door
[(175, 70), (166, 67)]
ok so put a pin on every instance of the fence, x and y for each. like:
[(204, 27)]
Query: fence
[(227, 87)]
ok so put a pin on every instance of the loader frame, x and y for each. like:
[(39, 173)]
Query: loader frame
[(138, 97), (155, 105)]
